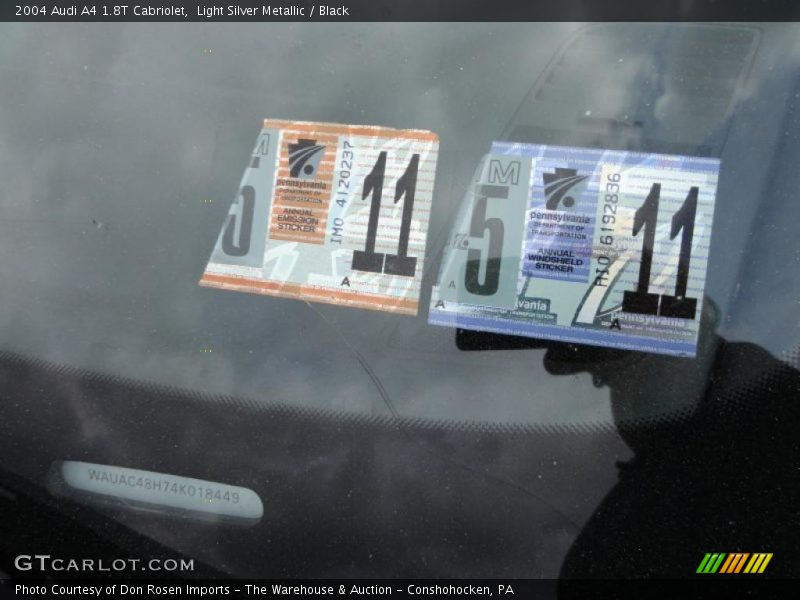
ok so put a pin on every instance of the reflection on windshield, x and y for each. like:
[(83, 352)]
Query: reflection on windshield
[(121, 148), (121, 165), (721, 478)]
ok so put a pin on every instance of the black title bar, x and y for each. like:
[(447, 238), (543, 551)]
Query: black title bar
[(397, 10)]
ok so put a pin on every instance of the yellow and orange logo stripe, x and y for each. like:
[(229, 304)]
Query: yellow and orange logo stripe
[(735, 562)]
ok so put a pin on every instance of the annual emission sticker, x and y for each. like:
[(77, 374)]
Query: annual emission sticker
[(330, 213), (590, 246)]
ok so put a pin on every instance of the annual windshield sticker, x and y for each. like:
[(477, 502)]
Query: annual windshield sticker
[(149, 489), (331, 213), (599, 247)]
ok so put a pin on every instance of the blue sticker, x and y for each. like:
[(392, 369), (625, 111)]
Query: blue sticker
[(613, 253)]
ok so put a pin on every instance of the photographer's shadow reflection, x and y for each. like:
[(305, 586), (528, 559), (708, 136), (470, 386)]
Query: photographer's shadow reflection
[(716, 466)]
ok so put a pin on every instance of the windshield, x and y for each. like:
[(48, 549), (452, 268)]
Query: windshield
[(411, 449)]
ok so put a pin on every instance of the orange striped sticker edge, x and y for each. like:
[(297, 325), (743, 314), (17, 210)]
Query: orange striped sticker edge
[(343, 129), (307, 292), (321, 136)]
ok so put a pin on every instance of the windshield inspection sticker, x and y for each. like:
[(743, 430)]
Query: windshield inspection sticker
[(599, 247), (331, 213)]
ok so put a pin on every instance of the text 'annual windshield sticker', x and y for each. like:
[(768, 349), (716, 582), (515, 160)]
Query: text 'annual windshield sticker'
[(599, 247), (331, 213)]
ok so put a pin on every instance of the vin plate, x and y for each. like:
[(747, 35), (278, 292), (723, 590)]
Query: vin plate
[(599, 247), (330, 213), (160, 490)]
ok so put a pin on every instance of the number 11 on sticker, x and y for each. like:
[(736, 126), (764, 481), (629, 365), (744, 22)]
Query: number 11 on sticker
[(311, 222), (375, 262)]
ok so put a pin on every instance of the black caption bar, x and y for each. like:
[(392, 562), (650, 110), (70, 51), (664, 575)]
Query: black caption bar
[(397, 10), (530, 589)]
